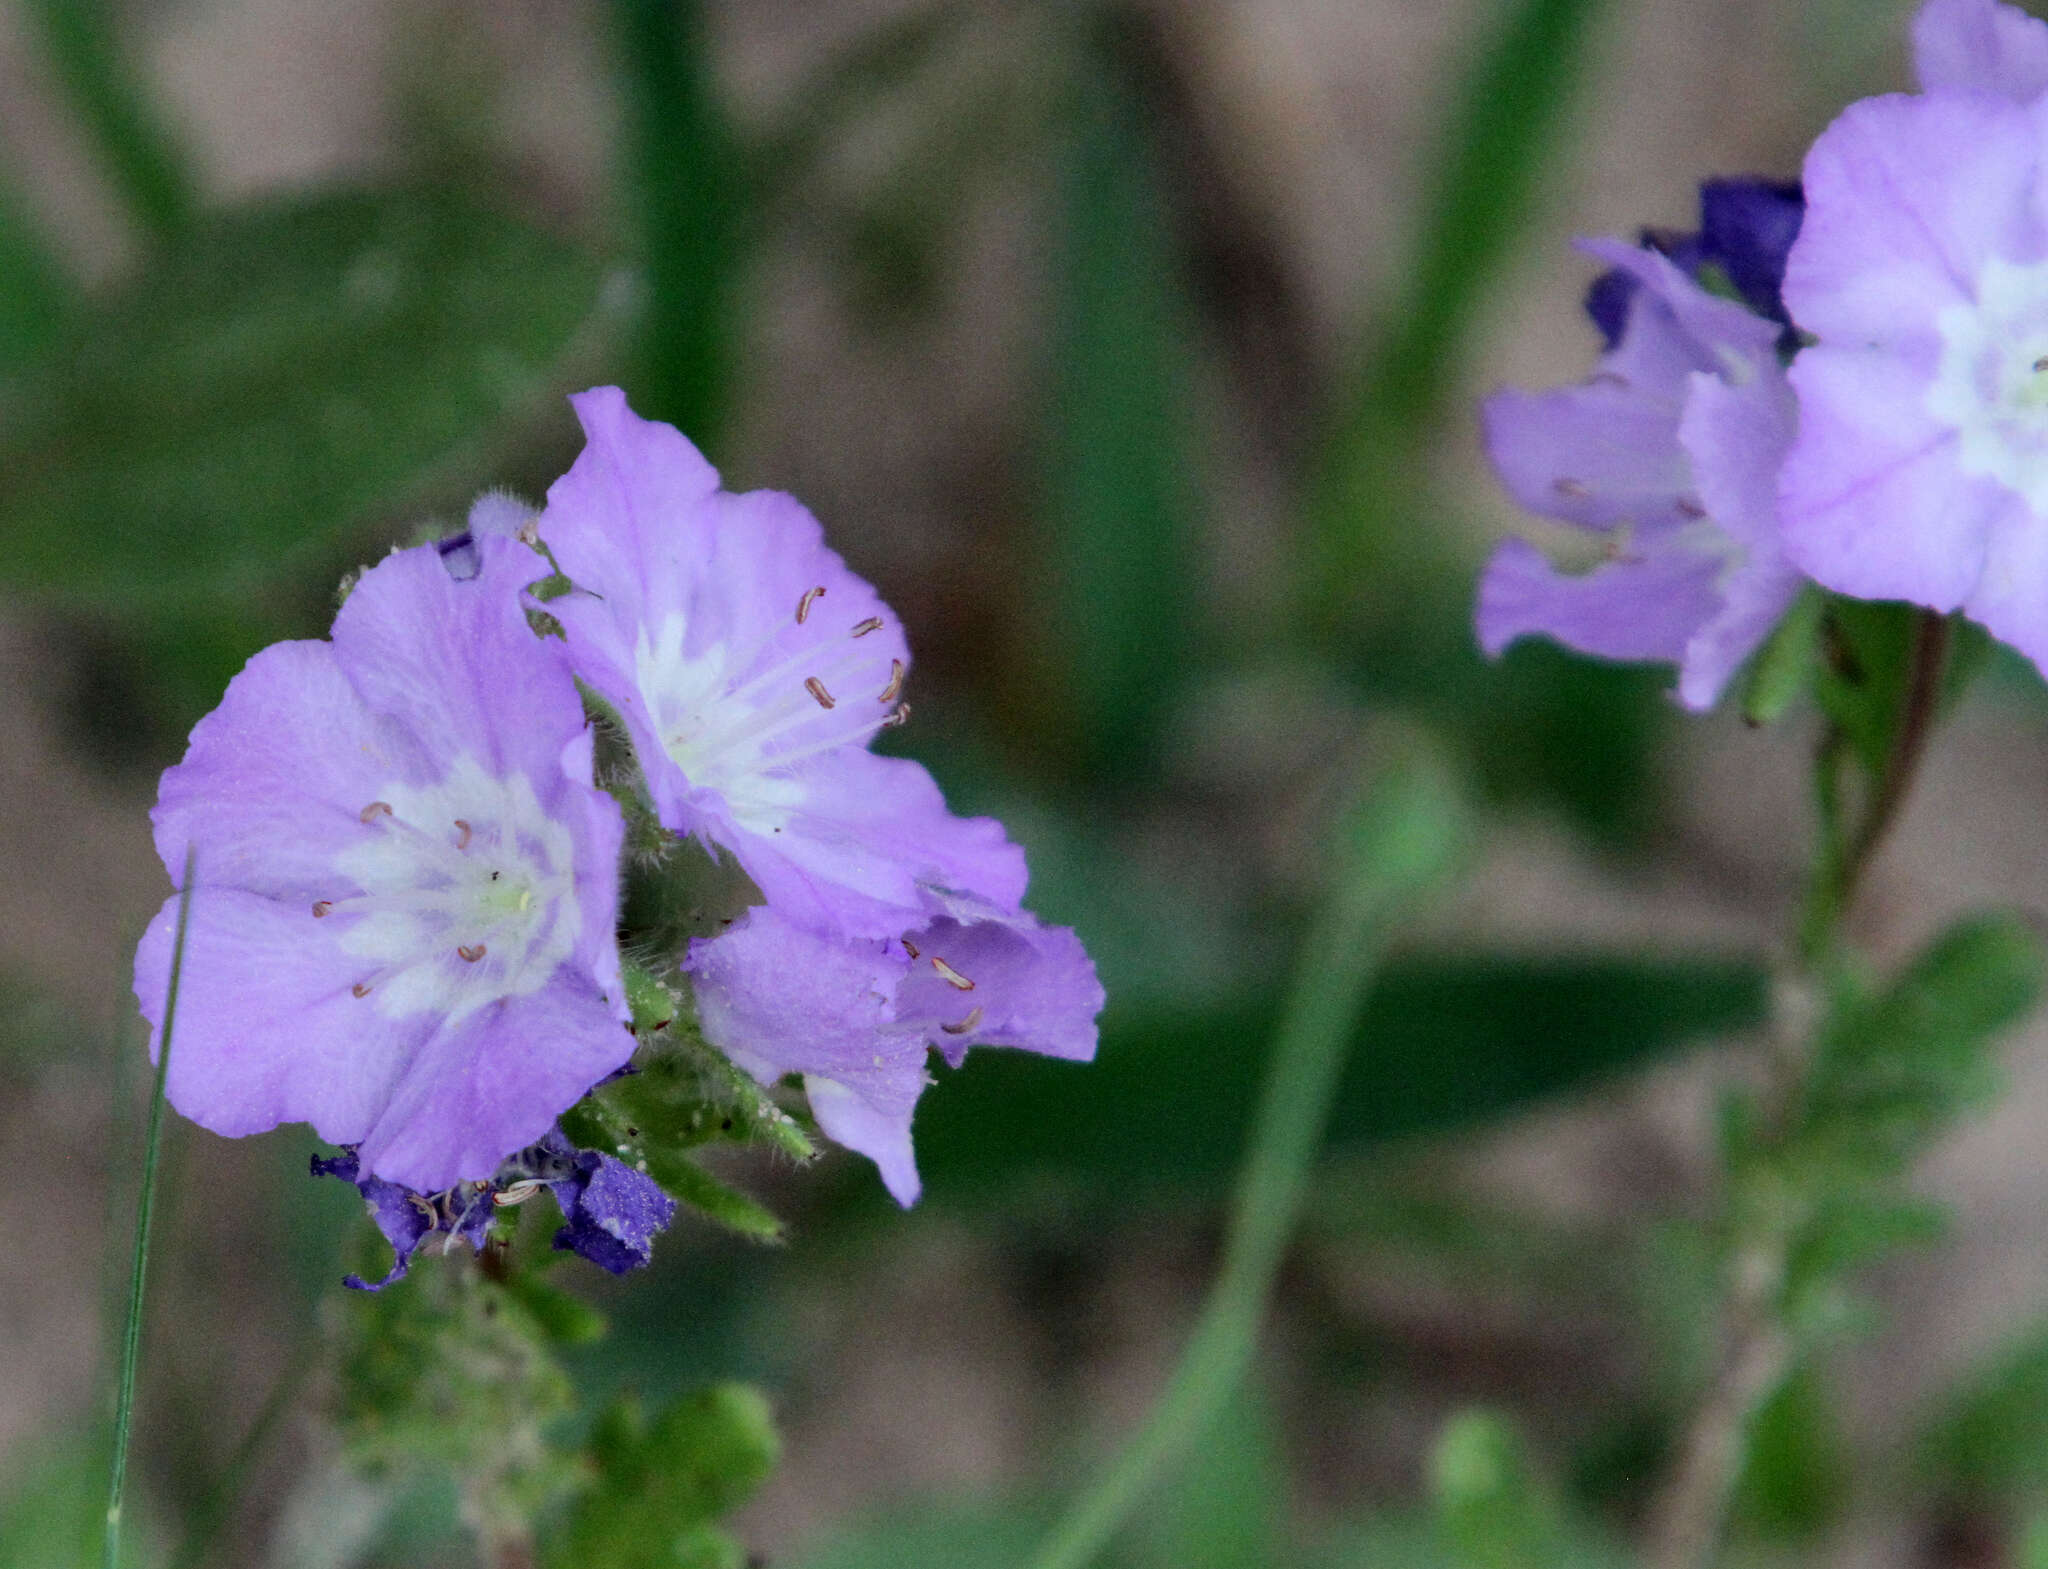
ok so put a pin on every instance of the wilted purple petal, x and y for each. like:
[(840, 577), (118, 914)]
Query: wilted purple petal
[(407, 1218), (613, 1212)]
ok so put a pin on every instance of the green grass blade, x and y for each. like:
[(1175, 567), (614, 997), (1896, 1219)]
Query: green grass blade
[(145, 1208), (1399, 845), (148, 173)]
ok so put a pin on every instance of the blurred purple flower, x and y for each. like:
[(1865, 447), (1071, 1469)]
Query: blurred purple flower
[(1669, 456), (858, 1018), (1981, 46), (402, 924), (1746, 227), (752, 670), (1921, 467)]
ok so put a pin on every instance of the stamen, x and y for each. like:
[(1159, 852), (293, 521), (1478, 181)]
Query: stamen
[(900, 717), (803, 606), (966, 1024), (895, 687), (373, 809), (872, 624), (360, 989), (463, 842), (515, 1193), (528, 533), (425, 1206), (953, 976), (2041, 365), (472, 954), (816, 688), (321, 907), (910, 948)]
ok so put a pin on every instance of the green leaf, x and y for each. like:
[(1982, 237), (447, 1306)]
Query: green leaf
[(1493, 1512), (1118, 448), (1988, 1441), (1796, 1474), (689, 1183), (1783, 670), (1894, 1070), (1862, 688), (1443, 1042), (281, 375), (662, 1486), (36, 298)]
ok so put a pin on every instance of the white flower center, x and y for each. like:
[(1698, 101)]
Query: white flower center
[(1991, 385), (467, 894), (737, 720)]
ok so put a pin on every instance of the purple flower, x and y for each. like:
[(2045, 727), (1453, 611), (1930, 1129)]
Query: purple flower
[(1981, 46), (402, 923), (613, 1212), (1746, 227), (408, 1218), (752, 669), (1921, 468), (858, 1018), (1667, 457)]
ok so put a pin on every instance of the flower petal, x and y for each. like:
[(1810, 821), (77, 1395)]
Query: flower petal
[(1980, 45)]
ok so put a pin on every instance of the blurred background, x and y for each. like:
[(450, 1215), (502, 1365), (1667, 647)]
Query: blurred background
[(1131, 349)]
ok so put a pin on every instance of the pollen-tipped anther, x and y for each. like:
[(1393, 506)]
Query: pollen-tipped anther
[(321, 907), (817, 690), (461, 834), (953, 977), (471, 951), (374, 810), (973, 1018), (360, 989), (872, 624), (803, 606), (895, 687)]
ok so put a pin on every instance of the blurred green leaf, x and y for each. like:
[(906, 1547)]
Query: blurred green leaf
[(280, 375), (1988, 1440), (1894, 1070), (685, 196), (36, 298), (1443, 1042), (1796, 1474), (147, 170), (53, 1507), (1783, 669), (931, 1536), (1118, 445), (1492, 1510), (661, 1486), (1500, 147)]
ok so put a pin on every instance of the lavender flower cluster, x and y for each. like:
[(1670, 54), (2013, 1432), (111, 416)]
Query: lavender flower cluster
[(1843, 381), (404, 923)]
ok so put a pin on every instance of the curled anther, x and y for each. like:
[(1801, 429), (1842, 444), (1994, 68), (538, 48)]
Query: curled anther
[(321, 907), (803, 606), (470, 951), (900, 717), (816, 688), (953, 976), (894, 689), (872, 624), (375, 809), (515, 1193), (360, 989), (910, 948), (973, 1018), (462, 831)]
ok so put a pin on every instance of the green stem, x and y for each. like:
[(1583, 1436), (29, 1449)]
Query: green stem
[(1402, 843), (145, 1210)]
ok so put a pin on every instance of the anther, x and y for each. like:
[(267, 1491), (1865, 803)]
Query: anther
[(895, 687), (472, 954), (953, 976), (900, 717), (2041, 365), (528, 533), (816, 688), (360, 989), (463, 842), (375, 808), (515, 1193), (872, 624), (910, 948), (1690, 509), (973, 1018), (1572, 489), (425, 1206), (803, 606), (321, 907)]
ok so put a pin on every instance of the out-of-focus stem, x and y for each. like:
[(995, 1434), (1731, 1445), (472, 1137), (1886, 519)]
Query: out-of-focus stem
[(1758, 1349)]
